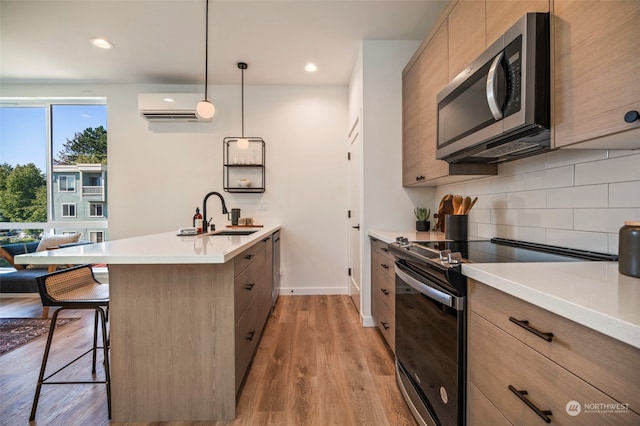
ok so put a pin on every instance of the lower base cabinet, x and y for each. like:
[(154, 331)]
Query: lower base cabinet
[(252, 303), (383, 291), (529, 366)]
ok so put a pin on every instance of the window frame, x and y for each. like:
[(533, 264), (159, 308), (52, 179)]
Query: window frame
[(70, 206), (67, 178), (91, 205)]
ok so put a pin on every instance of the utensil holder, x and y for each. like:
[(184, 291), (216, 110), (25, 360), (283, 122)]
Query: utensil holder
[(456, 227)]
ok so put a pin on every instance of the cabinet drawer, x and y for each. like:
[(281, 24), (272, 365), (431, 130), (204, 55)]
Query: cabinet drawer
[(386, 324), (247, 257), (481, 410), (385, 267), (246, 340), (606, 363), (497, 361), (382, 248), (246, 287), (385, 291)]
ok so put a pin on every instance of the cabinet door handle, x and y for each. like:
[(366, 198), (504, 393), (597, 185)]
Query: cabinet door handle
[(249, 256), (250, 335), (525, 324), (385, 325), (384, 249), (385, 266), (385, 291), (266, 239), (521, 394), (249, 286)]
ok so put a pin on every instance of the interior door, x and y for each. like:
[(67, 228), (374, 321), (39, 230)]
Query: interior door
[(355, 177)]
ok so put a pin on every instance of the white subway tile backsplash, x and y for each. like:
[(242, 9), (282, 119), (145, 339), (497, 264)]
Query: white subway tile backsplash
[(625, 194), (571, 198), (593, 241), (565, 157), (579, 196), (527, 199), (551, 178), (603, 220), (618, 169)]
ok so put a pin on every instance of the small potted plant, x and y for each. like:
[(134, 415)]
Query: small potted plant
[(422, 216)]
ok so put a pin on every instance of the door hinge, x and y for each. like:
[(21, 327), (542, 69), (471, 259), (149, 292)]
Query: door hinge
[(349, 271), (349, 214), (348, 156)]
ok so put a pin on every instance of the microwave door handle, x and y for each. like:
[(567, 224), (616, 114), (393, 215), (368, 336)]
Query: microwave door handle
[(492, 87)]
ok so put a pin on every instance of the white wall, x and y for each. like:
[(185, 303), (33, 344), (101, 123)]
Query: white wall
[(160, 172), (376, 90), (570, 198)]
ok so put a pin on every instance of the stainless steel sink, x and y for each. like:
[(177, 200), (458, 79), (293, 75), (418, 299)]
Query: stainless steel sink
[(234, 232)]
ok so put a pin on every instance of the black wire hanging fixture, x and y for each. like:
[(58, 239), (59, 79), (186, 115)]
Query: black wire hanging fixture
[(205, 108)]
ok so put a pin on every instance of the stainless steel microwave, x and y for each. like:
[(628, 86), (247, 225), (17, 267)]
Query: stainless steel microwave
[(498, 108)]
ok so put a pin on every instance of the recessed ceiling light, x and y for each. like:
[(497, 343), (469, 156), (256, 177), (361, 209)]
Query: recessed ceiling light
[(311, 67), (100, 42)]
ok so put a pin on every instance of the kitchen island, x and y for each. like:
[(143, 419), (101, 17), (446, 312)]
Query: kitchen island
[(178, 316)]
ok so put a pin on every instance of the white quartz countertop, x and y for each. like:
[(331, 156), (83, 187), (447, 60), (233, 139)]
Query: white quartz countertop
[(390, 236), (593, 294), (164, 248)]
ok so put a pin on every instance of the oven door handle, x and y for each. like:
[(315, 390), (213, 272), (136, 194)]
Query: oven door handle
[(449, 300)]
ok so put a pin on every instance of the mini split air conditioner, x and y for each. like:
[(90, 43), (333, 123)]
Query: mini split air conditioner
[(169, 106)]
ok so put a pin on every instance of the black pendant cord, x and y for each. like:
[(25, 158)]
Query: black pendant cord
[(206, 49), (243, 66)]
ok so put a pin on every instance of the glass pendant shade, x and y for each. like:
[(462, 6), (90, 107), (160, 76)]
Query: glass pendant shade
[(243, 143), (205, 109)]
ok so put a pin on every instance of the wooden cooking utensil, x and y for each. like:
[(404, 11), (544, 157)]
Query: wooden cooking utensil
[(457, 202), (471, 205), (446, 207), (465, 205)]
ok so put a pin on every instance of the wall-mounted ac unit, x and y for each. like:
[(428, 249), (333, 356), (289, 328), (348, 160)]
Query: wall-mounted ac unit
[(170, 106)]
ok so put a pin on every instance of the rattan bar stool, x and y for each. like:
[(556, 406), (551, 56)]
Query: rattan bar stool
[(74, 288)]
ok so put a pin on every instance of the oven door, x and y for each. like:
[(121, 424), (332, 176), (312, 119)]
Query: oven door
[(430, 357)]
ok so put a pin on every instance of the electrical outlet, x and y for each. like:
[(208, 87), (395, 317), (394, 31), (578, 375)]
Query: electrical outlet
[(264, 205)]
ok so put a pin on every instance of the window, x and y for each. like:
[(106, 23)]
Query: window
[(68, 210), (96, 236), (53, 167), (66, 183), (95, 209)]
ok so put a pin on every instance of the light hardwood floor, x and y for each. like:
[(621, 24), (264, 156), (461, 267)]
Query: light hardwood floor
[(315, 365)]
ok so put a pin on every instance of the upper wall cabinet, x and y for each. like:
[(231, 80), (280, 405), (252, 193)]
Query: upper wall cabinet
[(421, 82), (466, 35), (596, 72), (502, 14)]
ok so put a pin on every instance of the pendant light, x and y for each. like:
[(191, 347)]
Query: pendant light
[(243, 143), (205, 108)]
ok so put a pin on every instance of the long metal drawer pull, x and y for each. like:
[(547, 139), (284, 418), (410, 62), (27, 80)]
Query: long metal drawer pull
[(525, 324), (521, 394), (385, 291), (384, 249), (249, 286), (385, 325), (250, 335), (249, 256), (384, 265)]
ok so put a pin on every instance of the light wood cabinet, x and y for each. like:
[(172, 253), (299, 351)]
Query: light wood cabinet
[(596, 69), (422, 81), (252, 304), (383, 291), (511, 351), (466, 35), (502, 14)]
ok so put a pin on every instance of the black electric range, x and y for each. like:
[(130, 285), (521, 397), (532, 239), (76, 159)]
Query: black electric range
[(431, 316)]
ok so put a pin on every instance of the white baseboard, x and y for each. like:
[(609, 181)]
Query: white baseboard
[(367, 321), (313, 291)]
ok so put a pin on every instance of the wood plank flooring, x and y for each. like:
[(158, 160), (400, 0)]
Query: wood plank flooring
[(315, 365)]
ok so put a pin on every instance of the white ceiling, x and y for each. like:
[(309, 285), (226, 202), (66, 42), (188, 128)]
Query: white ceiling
[(162, 41)]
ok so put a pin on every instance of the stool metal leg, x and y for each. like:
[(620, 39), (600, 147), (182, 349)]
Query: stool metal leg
[(43, 367), (95, 341), (107, 368)]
